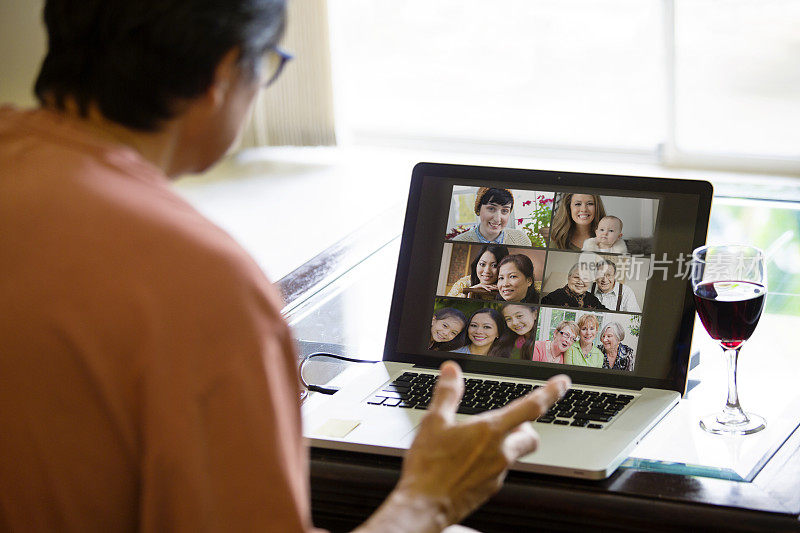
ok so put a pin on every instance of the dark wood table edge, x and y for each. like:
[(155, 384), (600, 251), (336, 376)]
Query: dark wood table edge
[(346, 487)]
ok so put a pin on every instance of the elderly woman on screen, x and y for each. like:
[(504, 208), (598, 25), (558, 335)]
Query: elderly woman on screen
[(584, 352), (553, 351), (576, 292), (616, 356)]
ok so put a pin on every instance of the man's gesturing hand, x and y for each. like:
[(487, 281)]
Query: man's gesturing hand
[(459, 465)]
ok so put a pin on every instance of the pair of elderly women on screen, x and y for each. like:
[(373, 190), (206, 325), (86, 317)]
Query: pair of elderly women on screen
[(493, 208), (497, 274)]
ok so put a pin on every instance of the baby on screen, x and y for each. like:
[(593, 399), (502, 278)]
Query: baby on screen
[(608, 237)]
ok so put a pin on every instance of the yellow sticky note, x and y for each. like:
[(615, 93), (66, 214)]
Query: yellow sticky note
[(337, 429)]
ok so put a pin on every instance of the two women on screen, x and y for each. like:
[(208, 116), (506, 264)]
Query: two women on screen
[(493, 208), (584, 352), (487, 334), (616, 355), (483, 273), (576, 292), (448, 330)]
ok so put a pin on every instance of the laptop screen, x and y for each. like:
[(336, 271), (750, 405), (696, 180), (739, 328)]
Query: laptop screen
[(532, 273)]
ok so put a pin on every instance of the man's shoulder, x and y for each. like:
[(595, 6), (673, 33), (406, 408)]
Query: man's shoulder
[(107, 214)]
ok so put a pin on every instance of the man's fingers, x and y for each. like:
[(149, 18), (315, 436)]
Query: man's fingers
[(448, 391), (521, 442), (533, 405)]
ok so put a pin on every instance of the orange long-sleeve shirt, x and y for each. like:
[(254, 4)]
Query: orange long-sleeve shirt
[(147, 380)]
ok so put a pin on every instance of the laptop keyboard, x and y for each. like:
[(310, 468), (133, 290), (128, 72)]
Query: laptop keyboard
[(578, 408)]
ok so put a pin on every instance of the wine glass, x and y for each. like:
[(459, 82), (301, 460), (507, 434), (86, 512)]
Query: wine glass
[(730, 284)]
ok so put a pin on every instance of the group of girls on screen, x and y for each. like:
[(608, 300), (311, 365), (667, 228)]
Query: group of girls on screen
[(510, 333), (498, 274)]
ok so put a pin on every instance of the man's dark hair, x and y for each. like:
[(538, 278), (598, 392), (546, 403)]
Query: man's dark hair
[(137, 60)]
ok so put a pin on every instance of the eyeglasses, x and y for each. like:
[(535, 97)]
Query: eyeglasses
[(568, 335), (272, 64)]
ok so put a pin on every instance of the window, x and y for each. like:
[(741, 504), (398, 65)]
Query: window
[(737, 77), (680, 79)]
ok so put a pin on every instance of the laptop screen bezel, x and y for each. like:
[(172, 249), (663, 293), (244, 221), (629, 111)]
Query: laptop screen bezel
[(469, 175)]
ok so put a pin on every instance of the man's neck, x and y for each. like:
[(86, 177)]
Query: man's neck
[(159, 147)]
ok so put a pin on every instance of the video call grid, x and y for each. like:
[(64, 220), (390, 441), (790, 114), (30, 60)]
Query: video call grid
[(541, 309)]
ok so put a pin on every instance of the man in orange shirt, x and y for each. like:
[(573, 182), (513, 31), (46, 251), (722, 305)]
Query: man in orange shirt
[(148, 380)]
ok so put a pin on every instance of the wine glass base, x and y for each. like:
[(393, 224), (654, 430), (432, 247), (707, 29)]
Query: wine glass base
[(754, 424)]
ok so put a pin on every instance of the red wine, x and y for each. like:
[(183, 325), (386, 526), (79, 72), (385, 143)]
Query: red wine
[(730, 310)]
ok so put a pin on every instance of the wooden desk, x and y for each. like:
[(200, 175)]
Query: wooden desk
[(346, 488)]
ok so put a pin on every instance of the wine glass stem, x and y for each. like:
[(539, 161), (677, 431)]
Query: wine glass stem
[(733, 413)]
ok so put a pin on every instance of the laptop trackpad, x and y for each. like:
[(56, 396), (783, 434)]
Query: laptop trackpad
[(372, 425)]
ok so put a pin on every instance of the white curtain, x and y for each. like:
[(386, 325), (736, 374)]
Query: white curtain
[(297, 109)]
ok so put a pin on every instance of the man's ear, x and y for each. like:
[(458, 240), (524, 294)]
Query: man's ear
[(224, 77)]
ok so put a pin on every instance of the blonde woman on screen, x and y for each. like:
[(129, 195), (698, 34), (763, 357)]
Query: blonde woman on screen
[(584, 352)]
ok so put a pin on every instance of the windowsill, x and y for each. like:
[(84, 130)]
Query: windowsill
[(286, 204)]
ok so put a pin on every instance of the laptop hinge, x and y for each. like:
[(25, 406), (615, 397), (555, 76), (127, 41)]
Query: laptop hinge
[(428, 366), (468, 369)]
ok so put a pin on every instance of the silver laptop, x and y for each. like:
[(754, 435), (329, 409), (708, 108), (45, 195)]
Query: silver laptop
[(587, 275)]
